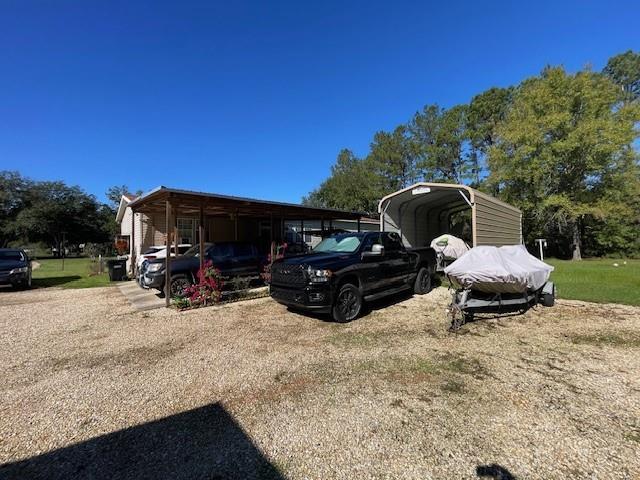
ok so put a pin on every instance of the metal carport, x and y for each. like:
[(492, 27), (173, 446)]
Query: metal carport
[(421, 212)]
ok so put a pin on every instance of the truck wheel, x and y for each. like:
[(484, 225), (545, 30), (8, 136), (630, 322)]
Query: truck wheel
[(347, 305), (178, 284), (422, 284)]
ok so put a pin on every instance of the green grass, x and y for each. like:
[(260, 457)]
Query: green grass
[(76, 274), (597, 280), (609, 339)]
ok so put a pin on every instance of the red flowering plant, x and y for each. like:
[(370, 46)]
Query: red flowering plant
[(207, 291), (277, 252)]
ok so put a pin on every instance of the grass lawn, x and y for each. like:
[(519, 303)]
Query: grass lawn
[(76, 274), (597, 280)]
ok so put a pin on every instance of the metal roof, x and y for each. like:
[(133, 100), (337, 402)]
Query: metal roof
[(189, 201)]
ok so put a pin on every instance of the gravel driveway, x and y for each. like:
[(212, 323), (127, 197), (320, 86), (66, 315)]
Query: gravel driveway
[(92, 389)]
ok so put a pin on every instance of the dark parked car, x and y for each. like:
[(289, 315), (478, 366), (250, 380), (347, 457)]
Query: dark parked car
[(15, 268), (345, 270), (233, 259)]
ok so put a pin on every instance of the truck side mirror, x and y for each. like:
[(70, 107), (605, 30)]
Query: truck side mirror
[(377, 250)]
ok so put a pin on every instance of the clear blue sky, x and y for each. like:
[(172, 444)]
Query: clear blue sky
[(256, 99)]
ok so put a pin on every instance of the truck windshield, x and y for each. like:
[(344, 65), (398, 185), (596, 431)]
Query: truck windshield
[(195, 250), (343, 243)]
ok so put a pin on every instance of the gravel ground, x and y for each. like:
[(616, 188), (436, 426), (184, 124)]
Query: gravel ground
[(92, 389)]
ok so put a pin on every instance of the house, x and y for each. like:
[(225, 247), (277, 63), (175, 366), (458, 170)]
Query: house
[(189, 215)]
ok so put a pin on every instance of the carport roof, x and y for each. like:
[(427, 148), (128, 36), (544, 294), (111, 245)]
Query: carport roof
[(215, 204)]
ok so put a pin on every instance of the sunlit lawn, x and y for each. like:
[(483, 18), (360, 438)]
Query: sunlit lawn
[(77, 273), (598, 280)]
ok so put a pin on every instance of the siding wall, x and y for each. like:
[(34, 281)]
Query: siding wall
[(496, 222)]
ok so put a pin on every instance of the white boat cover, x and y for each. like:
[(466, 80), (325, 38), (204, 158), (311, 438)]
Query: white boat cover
[(449, 246), (508, 269)]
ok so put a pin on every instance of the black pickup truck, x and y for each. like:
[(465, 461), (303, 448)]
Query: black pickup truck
[(233, 259), (345, 270)]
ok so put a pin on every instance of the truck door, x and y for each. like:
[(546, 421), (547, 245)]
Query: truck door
[(397, 261), (372, 271), (245, 260)]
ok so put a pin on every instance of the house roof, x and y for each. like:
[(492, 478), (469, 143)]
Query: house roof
[(125, 200)]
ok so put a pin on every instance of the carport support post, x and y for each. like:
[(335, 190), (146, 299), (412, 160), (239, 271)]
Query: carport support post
[(167, 268), (235, 225), (201, 235), (133, 243), (175, 234), (358, 224)]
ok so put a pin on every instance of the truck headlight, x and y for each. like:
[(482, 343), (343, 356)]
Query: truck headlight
[(19, 270), (154, 267), (318, 276)]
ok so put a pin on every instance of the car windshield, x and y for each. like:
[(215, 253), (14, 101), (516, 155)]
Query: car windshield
[(12, 255), (341, 243), (151, 250)]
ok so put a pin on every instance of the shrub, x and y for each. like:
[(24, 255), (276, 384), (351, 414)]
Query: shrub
[(207, 291), (277, 252)]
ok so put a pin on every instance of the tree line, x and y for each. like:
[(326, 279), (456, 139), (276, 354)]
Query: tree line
[(46, 212), (560, 146)]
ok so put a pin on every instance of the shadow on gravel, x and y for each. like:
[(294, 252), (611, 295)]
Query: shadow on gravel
[(202, 443), (494, 471)]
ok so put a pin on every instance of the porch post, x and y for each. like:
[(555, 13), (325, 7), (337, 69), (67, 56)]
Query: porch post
[(132, 242), (176, 240), (167, 268), (201, 235), (235, 225)]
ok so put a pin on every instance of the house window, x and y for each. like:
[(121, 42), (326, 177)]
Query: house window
[(186, 228)]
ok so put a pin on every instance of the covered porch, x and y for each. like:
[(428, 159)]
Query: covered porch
[(173, 217)]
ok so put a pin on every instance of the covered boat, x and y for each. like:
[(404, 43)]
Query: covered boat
[(507, 269), (450, 247)]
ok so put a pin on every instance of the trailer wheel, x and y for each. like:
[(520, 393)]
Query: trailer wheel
[(422, 284), (348, 304), (549, 299)]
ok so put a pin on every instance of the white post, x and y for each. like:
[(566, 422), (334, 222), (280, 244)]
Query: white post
[(542, 242)]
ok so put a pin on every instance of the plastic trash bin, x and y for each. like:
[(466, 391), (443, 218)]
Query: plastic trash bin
[(117, 270)]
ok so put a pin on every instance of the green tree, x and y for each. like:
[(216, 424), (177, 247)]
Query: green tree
[(351, 186), (560, 151), (624, 71), (13, 196), (53, 209), (439, 137), (392, 159), (114, 194), (485, 113)]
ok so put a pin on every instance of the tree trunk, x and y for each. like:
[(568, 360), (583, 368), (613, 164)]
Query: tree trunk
[(576, 241)]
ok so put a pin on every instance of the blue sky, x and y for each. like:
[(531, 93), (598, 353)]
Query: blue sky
[(256, 99)]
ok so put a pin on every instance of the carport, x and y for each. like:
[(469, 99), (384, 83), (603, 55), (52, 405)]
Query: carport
[(424, 211), (224, 218)]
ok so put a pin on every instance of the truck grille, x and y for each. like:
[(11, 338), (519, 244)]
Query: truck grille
[(282, 274)]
